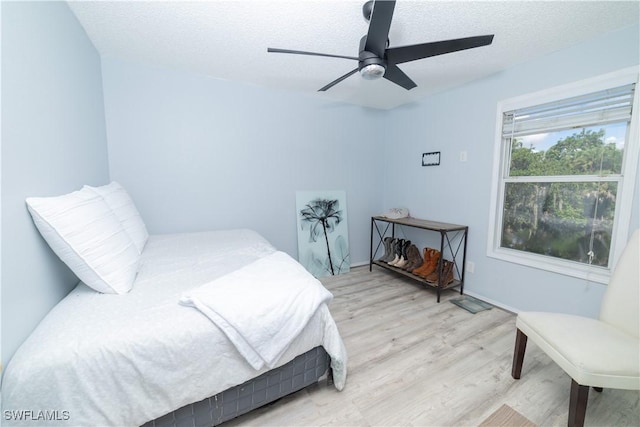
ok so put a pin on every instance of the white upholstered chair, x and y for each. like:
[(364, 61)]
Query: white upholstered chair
[(599, 353)]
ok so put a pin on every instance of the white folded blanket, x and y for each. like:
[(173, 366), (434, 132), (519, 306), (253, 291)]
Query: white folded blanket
[(261, 307)]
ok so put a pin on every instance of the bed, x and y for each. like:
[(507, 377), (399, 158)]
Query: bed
[(143, 357)]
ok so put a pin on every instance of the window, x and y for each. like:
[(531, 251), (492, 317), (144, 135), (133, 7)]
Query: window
[(564, 171)]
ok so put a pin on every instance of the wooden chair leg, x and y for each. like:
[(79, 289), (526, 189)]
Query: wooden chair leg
[(577, 404), (518, 354)]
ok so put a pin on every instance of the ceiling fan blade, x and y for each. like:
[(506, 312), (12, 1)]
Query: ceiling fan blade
[(398, 55), (397, 76), (301, 52), (338, 80), (379, 27)]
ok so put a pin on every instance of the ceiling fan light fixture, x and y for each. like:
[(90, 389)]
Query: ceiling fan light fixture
[(372, 71)]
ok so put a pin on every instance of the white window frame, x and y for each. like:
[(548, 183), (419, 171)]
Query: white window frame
[(625, 191)]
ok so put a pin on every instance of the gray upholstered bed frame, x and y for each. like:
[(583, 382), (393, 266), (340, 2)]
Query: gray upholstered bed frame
[(299, 373)]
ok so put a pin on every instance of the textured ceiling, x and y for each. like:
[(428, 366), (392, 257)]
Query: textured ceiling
[(229, 39)]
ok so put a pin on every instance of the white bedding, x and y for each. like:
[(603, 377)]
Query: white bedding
[(128, 359), (261, 307)]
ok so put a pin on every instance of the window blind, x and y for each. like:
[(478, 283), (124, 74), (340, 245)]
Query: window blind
[(607, 106)]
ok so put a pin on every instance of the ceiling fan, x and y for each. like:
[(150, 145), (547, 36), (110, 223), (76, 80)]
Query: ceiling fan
[(377, 60)]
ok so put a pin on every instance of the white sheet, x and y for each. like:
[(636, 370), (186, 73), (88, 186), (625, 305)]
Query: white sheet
[(127, 359)]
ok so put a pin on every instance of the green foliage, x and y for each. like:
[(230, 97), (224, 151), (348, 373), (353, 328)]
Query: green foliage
[(583, 153), (558, 218)]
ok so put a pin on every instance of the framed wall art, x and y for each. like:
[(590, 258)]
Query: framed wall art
[(323, 237)]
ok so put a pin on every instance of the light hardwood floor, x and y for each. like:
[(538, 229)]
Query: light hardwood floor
[(415, 362)]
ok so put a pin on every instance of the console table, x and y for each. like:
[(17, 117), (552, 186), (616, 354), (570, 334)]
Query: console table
[(453, 238)]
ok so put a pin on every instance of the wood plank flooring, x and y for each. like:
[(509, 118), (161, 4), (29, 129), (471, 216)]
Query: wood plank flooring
[(413, 362)]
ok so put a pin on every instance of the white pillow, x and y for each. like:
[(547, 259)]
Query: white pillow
[(120, 202), (84, 232)]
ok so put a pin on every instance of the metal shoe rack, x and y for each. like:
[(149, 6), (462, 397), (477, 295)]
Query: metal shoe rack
[(453, 238)]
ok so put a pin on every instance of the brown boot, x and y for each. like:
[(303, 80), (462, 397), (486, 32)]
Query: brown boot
[(427, 255), (432, 265), (447, 273), (415, 260)]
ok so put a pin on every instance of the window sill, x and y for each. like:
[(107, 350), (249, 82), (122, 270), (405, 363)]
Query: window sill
[(553, 265)]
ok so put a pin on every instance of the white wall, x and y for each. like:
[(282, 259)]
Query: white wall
[(198, 153), (53, 142), (463, 119)]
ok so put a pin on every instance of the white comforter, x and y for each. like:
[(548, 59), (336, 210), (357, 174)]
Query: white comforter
[(101, 359)]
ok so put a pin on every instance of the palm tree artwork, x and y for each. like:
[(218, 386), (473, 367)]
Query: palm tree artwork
[(323, 250)]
